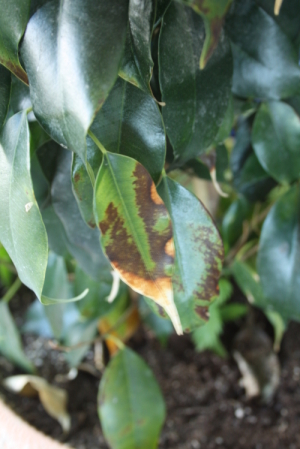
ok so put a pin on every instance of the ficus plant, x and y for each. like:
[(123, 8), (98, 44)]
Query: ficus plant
[(108, 113)]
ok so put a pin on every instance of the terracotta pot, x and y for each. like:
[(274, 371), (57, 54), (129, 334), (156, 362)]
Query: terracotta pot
[(17, 434)]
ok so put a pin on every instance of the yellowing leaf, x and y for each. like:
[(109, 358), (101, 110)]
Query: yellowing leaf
[(136, 230), (54, 399)]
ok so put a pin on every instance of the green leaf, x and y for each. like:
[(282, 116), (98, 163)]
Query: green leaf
[(136, 231), (5, 88), (66, 229), (265, 61), (10, 341), (161, 327), (199, 253), (131, 407), (276, 140), (213, 13), (79, 332), (196, 101), (232, 224), (226, 126), (72, 51), (279, 255), (56, 288), (248, 281), (161, 7), (22, 231), (130, 123), (13, 21), (137, 64), (249, 178), (95, 304)]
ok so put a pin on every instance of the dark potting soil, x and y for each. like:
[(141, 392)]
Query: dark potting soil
[(206, 406)]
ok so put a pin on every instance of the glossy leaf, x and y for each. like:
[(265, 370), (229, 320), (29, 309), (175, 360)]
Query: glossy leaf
[(199, 253), (232, 224), (130, 123), (72, 51), (276, 140), (136, 231), (131, 407), (22, 231), (5, 88), (137, 64), (13, 20), (19, 98), (10, 341), (196, 101), (279, 255), (265, 61), (213, 13)]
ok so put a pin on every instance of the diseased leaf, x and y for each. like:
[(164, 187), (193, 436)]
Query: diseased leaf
[(10, 341), (137, 64), (213, 13), (265, 61), (279, 255), (276, 140), (72, 51), (196, 101), (198, 253), (54, 399), (5, 88), (22, 231), (131, 407), (136, 231), (13, 20)]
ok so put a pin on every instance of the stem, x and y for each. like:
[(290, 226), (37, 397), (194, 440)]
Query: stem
[(12, 290), (29, 110), (96, 141), (90, 173), (116, 340)]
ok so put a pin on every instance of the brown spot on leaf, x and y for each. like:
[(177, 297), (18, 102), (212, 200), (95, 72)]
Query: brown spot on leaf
[(202, 312), (123, 251), (215, 26), (77, 177)]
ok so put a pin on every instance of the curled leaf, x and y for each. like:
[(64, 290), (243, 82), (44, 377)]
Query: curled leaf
[(54, 399)]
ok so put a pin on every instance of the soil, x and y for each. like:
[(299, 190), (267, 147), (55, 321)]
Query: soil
[(206, 406)]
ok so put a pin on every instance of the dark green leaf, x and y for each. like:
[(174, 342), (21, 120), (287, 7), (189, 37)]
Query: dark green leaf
[(13, 21), (22, 231), (196, 101), (226, 126), (137, 64), (130, 123), (136, 231), (232, 224), (131, 407), (20, 97), (5, 88), (72, 51), (10, 341), (213, 13), (199, 253), (279, 255), (265, 61), (161, 7), (276, 140)]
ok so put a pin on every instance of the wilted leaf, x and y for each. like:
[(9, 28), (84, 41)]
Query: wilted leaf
[(279, 255), (276, 140), (5, 88), (196, 101), (13, 21), (198, 253), (22, 231), (136, 231), (54, 399), (137, 64), (10, 341), (67, 91), (131, 407)]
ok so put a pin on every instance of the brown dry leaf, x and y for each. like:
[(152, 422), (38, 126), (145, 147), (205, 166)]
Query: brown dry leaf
[(53, 399)]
